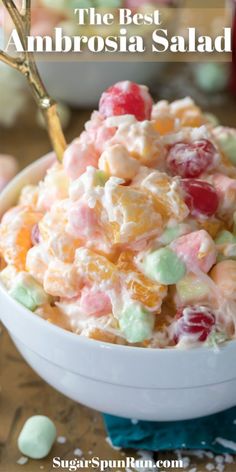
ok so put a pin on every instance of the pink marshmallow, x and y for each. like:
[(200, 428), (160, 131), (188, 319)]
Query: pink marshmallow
[(103, 136), (197, 250), (82, 220), (95, 303), (78, 156), (226, 191), (97, 132)]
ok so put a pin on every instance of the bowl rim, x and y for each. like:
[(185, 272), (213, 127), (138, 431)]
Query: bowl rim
[(59, 331)]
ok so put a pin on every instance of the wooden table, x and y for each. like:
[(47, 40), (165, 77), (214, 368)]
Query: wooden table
[(23, 393)]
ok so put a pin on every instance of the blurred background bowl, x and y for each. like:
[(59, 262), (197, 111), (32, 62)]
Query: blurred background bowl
[(80, 84)]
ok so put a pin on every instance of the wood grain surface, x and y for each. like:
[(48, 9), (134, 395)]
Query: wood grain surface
[(23, 393)]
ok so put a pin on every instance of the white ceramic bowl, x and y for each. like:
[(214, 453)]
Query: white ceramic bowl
[(148, 384), (81, 84)]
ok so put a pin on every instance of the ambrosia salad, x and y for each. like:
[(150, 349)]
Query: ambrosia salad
[(132, 239)]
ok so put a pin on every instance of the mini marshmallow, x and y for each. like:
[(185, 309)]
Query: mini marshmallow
[(196, 249), (117, 162), (224, 276), (226, 191), (164, 266), (37, 437), (136, 323), (28, 292), (191, 289), (77, 157)]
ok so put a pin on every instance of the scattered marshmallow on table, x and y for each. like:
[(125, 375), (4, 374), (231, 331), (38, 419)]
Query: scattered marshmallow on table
[(37, 437)]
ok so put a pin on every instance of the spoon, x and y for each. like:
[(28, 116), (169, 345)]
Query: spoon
[(26, 65)]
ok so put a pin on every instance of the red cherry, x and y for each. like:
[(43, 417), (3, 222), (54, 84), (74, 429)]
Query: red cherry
[(126, 98), (197, 321), (191, 159), (200, 197)]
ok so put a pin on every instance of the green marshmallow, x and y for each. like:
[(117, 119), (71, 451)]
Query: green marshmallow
[(136, 323), (164, 266), (211, 77), (28, 292), (170, 234), (37, 437), (191, 289), (100, 178)]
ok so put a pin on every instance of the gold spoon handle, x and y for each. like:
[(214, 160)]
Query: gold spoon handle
[(26, 65)]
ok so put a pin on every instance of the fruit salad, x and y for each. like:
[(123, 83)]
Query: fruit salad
[(132, 238)]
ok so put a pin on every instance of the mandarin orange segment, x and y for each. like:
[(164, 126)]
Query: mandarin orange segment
[(126, 261), (61, 280), (192, 120), (190, 115), (104, 336), (63, 247), (15, 235), (140, 287), (164, 124), (14, 248), (144, 290), (167, 195), (134, 215), (54, 221), (54, 316), (95, 268), (52, 230)]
